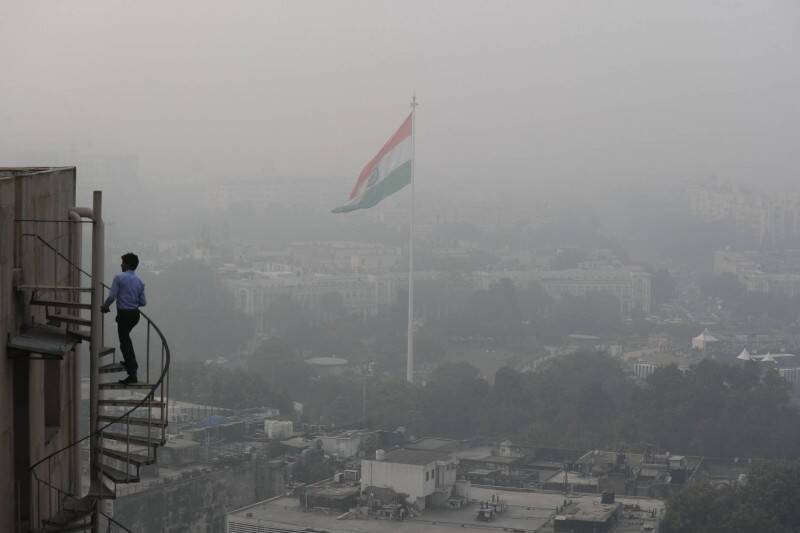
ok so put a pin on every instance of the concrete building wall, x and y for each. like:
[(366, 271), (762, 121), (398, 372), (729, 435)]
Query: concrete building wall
[(24, 439), (7, 323), (199, 503), (343, 446), (444, 476), (409, 479)]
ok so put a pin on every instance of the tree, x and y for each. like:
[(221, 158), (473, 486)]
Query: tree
[(579, 400), (282, 367), (507, 408), (718, 410), (446, 399), (215, 385), (766, 502)]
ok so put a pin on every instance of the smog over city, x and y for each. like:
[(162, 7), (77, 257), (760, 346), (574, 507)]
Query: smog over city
[(400, 266)]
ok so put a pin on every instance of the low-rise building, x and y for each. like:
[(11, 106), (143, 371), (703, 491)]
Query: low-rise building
[(792, 375), (571, 481), (521, 510), (343, 445), (427, 477), (644, 370), (769, 272), (587, 517), (629, 284), (503, 465)]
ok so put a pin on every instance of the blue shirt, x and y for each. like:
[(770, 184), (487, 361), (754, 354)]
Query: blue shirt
[(128, 290)]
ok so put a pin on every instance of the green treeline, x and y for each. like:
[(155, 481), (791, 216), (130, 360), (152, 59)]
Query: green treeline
[(766, 502), (580, 401)]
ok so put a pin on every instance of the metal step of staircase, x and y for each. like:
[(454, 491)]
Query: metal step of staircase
[(69, 320), (138, 440), (115, 385), (80, 505), (65, 517), (134, 421), (81, 334), (74, 528), (103, 493), (132, 458), (119, 476), (52, 288), (154, 404), (106, 350), (60, 303), (111, 368)]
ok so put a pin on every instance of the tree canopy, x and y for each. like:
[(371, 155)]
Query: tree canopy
[(582, 400), (766, 502)]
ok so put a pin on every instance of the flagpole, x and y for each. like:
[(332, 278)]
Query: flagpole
[(410, 353)]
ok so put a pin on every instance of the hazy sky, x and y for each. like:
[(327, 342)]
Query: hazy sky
[(526, 90)]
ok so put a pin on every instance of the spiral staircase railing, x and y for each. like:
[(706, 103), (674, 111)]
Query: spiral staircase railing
[(67, 511)]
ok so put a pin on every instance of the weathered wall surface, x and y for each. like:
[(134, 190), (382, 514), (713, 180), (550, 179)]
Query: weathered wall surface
[(44, 194), (199, 504)]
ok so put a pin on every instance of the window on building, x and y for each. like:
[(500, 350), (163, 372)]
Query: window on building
[(426, 476), (52, 398)]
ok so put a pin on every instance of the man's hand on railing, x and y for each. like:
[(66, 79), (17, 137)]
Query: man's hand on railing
[(105, 308)]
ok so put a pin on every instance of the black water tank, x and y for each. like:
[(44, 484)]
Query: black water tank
[(607, 497)]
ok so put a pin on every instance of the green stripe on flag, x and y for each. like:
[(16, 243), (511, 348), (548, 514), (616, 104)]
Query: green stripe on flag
[(399, 178)]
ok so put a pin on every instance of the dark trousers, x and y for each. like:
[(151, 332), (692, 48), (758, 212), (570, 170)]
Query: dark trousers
[(126, 320)]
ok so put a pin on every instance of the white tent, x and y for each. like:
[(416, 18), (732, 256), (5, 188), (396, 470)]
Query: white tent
[(773, 357), (700, 342), (745, 356), (768, 358)]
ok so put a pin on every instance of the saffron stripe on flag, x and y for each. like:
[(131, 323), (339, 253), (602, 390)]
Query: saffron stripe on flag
[(401, 134)]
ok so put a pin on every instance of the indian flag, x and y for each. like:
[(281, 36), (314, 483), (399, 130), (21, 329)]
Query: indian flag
[(386, 173)]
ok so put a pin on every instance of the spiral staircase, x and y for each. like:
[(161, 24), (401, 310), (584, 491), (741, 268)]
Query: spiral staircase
[(127, 422)]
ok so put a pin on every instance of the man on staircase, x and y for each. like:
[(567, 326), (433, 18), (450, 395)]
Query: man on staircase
[(128, 290)]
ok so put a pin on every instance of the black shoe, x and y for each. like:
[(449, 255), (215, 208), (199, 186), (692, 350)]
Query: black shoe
[(130, 380)]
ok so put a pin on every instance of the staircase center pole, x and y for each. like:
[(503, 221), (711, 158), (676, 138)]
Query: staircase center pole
[(76, 235), (98, 272)]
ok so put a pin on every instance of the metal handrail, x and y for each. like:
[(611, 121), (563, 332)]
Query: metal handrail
[(162, 383), (112, 521)]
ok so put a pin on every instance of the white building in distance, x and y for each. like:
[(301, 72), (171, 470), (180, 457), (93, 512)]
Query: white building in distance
[(427, 477)]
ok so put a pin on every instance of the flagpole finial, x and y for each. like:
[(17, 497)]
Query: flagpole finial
[(414, 102)]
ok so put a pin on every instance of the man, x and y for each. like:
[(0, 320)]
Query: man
[(128, 290)]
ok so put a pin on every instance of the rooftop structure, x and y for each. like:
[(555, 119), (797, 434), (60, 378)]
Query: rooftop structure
[(588, 517), (408, 456), (344, 444), (434, 444), (426, 477), (525, 511)]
